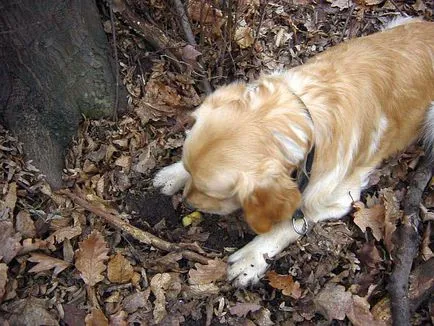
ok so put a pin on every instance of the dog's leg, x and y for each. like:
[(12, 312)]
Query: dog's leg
[(171, 178), (248, 265)]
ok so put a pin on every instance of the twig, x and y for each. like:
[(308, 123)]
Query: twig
[(179, 7), (136, 233), (397, 8), (115, 50), (408, 238), (350, 13)]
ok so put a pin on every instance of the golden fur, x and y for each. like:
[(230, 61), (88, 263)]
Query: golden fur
[(357, 103), (368, 99)]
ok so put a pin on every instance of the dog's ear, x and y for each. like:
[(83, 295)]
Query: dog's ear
[(271, 202)]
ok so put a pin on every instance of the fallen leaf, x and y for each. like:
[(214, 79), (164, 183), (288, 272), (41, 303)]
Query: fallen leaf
[(32, 312), (204, 12), (333, 301), (360, 315), (241, 309), (68, 232), (119, 269), (426, 242), (3, 280), (90, 258), (419, 6), (163, 285), (73, 314), (45, 263), (96, 318), (136, 301), (372, 2), (190, 54), (200, 291), (25, 225), (285, 283), (10, 199), (244, 36), (203, 274), (9, 241), (341, 4), (370, 217), (369, 255), (392, 215), (119, 319)]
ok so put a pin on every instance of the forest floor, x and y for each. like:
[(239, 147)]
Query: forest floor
[(71, 257)]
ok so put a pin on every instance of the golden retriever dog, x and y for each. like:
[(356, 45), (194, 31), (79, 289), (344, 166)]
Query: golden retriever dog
[(355, 104)]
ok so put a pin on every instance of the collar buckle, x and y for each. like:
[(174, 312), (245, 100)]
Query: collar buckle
[(299, 223)]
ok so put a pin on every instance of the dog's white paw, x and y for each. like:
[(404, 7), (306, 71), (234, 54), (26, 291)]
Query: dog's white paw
[(171, 178), (248, 265)]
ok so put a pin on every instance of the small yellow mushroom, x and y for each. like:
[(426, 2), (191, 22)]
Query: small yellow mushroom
[(189, 219)]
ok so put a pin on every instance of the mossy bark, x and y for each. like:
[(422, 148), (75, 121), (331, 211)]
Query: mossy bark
[(55, 68)]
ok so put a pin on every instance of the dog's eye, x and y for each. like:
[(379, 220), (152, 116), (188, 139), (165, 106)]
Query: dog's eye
[(294, 174)]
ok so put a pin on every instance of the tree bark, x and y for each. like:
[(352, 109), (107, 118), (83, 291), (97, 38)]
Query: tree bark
[(55, 68)]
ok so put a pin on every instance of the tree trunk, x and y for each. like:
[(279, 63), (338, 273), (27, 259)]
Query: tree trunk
[(54, 68)]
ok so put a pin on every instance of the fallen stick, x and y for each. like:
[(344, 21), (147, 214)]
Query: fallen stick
[(136, 233), (407, 245)]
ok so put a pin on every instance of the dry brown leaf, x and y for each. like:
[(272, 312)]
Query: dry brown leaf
[(10, 199), (3, 279), (425, 245), (285, 283), (73, 314), (45, 263), (68, 232), (241, 309), (341, 4), (244, 36), (90, 258), (419, 6), (360, 314), (333, 301), (204, 12), (372, 2), (32, 311), (136, 301), (9, 241), (119, 319), (163, 285), (96, 318), (25, 225), (370, 217), (200, 291), (203, 274), (369, 255), (119, 269), (190, 54), (392, 215)]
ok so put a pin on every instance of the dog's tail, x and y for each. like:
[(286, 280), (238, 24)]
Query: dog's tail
[(428, 134), (401, 20)]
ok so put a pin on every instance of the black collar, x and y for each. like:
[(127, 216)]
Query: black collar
[(304, 172), (302, 181)]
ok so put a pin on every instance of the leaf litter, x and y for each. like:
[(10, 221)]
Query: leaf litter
[(61, 264)]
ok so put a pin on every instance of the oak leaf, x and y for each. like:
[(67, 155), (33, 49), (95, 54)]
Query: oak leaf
[(119, 269), (285, 283), (241, 309), (204, 274), (90, 258), (96, 318), (45, 263), (25, 225), (333, 301), (3, 279), (9, 241), (370, 217)]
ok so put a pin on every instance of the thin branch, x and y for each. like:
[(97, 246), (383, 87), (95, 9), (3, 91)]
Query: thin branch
[(407, 244), (350, 13), (179, 8), (136, 233)]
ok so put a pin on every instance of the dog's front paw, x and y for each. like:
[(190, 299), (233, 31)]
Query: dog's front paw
[(247, 265), (171, 178)]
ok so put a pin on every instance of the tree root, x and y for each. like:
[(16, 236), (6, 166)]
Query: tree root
[(407, 239), (136, 233)]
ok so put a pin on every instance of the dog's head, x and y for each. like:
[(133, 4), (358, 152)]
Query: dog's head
[(246, 143)]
